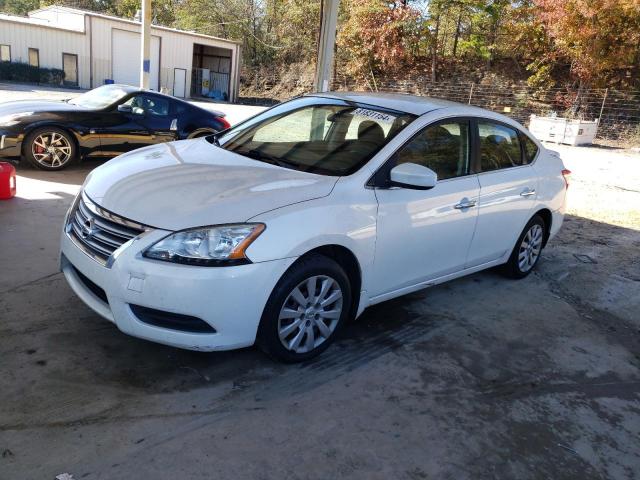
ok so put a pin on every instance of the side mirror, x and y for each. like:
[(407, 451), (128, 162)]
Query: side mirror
[(414, 176), (125, 108)]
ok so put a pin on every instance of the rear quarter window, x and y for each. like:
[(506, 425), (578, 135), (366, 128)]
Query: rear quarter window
[(530, 148)]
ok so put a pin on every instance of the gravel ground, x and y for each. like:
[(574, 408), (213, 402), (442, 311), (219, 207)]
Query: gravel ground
[(482, 377)]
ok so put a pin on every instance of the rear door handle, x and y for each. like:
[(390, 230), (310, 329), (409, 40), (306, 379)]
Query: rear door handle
[(465, 204), (528, 192)]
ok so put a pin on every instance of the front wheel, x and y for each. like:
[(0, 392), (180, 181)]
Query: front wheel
[(526, 253), (305, 310), (50, 148)]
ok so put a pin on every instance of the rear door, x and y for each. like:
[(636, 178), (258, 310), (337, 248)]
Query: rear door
[(507, 192)]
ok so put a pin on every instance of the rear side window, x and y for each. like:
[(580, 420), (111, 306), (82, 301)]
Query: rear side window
[(499, 147), (530, 148)]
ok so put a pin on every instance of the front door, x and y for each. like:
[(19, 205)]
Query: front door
[(426, 234), (147, 120), (507, 193), (179, 82), (70, 68)]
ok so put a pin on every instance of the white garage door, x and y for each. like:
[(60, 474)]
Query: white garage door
[(126, 58)]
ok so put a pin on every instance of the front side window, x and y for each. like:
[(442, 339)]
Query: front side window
[(34, 57), (5, 53), (149, 105), (444, 148), (317, 135), (499, 146)]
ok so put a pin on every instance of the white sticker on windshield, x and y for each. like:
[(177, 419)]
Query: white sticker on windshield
[(379, 116)]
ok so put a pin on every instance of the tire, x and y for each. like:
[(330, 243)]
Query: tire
[(527, 250), (293, 328), (201, 134), (50, 148)]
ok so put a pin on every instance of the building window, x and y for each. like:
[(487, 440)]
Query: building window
[(5, 53), (34, 57)]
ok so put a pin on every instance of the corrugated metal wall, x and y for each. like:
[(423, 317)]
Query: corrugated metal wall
[(176, 49), (51, 43)]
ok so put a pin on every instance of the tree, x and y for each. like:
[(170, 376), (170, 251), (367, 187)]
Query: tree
[(378, 36), (18, 7), (599, 38)]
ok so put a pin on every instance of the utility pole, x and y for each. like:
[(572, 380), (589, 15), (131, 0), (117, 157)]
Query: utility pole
[(326, 44), (145, 51)]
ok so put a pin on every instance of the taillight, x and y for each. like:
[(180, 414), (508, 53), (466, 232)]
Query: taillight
[(566, 174), (224, 123)]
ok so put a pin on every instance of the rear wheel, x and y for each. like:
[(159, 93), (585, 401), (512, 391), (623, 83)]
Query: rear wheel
[(50, 148), (526, 253), (305, 310)]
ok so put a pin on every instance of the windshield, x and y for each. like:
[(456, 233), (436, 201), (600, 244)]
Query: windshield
[(317, 135), (100, 97)]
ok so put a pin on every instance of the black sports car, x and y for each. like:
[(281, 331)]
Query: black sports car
[(103, 122)]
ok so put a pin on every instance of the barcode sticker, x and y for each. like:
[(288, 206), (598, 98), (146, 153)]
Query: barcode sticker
[(372, 114)]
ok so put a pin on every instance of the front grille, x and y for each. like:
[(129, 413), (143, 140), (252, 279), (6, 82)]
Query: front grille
[(98, 232)]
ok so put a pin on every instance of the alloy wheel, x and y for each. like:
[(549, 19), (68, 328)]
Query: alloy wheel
[(310, 314), (51, 149), (530, 248)]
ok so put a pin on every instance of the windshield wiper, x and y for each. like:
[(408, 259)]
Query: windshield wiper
[(213, 138), (265, 157)]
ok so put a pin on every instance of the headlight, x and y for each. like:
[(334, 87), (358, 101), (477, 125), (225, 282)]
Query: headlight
[(209, 246)]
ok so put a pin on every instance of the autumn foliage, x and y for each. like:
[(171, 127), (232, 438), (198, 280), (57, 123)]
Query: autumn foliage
[(378, 36), (548, 43)]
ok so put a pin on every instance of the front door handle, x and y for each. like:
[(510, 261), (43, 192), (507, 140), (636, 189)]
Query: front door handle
[(464, 203), (528, 192), (174, 125)]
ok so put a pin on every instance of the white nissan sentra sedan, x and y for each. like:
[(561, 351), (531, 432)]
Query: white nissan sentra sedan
[(282, 228)]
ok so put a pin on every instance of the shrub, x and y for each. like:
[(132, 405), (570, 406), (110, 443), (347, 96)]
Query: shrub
[(23, 72)]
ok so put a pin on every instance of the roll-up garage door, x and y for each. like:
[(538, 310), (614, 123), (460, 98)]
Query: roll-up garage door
[(126, 58)]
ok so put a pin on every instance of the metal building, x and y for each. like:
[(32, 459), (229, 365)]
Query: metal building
[(93, 48)]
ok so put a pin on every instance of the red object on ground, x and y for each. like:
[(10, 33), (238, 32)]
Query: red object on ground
[(7, 181)]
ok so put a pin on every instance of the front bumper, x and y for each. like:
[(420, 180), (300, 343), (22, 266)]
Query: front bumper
[(230, 299)]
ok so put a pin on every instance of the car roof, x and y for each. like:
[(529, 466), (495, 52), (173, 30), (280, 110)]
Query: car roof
[(416, 105), (403, 102)]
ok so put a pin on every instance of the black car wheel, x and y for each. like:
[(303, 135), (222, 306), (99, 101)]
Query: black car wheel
[(50, 148)]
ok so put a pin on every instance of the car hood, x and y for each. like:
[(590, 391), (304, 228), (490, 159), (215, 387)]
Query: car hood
[(29, 107), (193, 183)]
